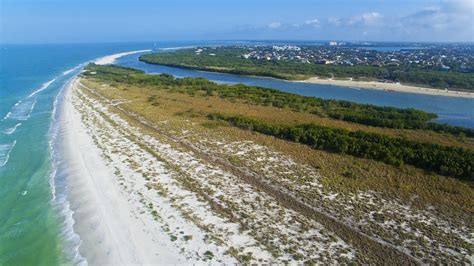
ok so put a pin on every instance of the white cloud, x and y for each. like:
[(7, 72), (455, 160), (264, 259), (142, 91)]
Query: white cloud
[(313, 22), (445, 20), (274, 25), (450, 20), (334, 21), (367, 19), (371, 18), (458, 6), (448, 16)]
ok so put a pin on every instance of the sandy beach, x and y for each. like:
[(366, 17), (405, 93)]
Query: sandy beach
[(396, 87), (107, 219), (118, 218), (110, 59), (132, 208), (162, 192)]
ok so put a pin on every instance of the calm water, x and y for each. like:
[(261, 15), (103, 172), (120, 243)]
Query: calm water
[(35, 220), (454, 111)]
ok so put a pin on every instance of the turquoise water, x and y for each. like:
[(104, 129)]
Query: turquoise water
[(35, 227), (35, 221)]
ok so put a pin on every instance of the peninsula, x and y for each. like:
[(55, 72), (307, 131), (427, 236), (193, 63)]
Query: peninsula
[(189, 171), (350, 67)]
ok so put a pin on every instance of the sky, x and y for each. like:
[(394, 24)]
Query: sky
[(86, 21)]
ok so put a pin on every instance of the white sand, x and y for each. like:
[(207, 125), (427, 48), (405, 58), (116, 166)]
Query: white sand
[(110, 59), (389, 87), (111, 230), (110, 198)]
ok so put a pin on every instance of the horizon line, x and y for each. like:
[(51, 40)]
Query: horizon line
[(233, 40)]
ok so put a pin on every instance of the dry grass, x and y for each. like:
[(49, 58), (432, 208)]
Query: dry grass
[(184, 116), (342, 173), (157, 100)]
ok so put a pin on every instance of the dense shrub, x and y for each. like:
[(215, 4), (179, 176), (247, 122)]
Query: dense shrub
[(229, 60), (365, 114), (451, 161)]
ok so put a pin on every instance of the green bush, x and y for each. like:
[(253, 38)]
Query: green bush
[(365, 114), (229, 60), (451, 161)]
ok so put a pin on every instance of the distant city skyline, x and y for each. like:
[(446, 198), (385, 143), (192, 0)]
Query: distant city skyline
[(76, 21)]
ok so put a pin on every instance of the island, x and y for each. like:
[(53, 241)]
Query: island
[(435, 70), (185, 170)]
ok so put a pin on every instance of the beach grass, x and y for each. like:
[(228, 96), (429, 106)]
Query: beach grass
[(183, 117)]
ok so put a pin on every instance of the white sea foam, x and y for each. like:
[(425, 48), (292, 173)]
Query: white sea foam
[(22, 110), (42, 88), (8, 114), (59, 185), (18, 112), (11, 130), (68, 71), (72, 69), (5, 150)]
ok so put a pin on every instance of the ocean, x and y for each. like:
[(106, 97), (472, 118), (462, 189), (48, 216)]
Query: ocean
[(35, 220), (35, 226)]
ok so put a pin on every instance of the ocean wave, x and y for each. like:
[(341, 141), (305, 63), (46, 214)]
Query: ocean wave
[(5, 150), (8, 114), (72, 69), (11, 130), (58, 183), (18, 109), (22, 110), (42, 88)]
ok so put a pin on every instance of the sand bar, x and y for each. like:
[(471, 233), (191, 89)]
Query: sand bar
[(110, 59), (389, 87)]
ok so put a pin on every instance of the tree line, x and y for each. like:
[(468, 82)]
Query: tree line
[(229, 60), (444, 160), (364, 114)]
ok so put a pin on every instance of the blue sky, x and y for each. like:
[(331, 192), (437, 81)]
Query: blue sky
[(70, 21)]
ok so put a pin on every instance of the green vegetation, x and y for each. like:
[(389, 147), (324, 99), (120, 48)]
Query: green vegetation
[(229, 60), (208, 255), (179, 116), (456, 162), (453, 161), (364, 114)]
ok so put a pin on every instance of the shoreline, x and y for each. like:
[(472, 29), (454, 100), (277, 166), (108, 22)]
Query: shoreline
[(140, 193), (110, 59), (369, 85), (119, 219), (105, 217), (109, 177), (388, 87)]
